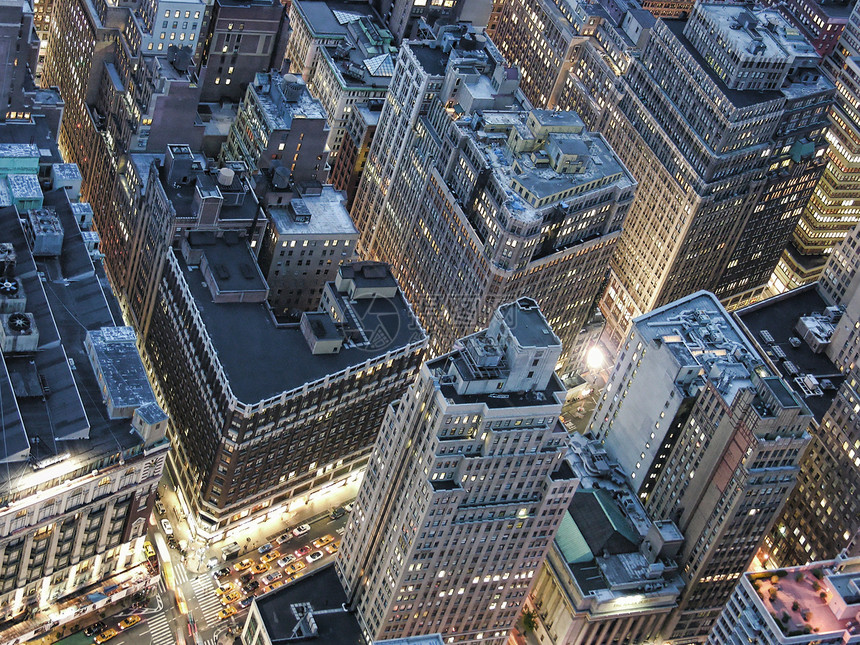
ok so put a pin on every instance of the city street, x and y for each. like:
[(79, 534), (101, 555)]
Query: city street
[(185, 609)]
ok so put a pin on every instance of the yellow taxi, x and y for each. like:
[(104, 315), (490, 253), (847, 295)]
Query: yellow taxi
[(227, 587), (321, 542), (332, 548), (260, 568), (277, 583), (247, 563), (131, 621), (105, 636), (295, 567), (226, 612), (233, 596), (271, 555)]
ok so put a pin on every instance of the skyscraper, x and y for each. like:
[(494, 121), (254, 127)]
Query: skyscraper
[(475, 199), (726, 154), (830, 212), (810, 335), (464, 490), (710, 437)]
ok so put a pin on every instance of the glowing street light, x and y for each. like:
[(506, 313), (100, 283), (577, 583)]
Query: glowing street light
[(595, 359)]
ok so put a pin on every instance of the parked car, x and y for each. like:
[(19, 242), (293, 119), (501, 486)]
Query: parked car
[(165, 524), (159, 508), (301, 530), (337, 513)]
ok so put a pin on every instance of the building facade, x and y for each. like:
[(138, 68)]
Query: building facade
[(465, 489), (349, 165)]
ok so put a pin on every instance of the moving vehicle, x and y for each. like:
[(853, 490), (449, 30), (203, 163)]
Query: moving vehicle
[(313, 557), (165, 524), (301, 530), (159, 508), (251, 587), (271, 555), (221, 573), (231, 597), (225, 588), (244, 564), (95, 628), (105, 636), (295, 567), (321, 542), (265, 548), (131, 621), (332, 548), (260, 568), (227, 612), (337, 513), (286, 537), (303, 551), (246, 577), (287, 559), (270, 578)]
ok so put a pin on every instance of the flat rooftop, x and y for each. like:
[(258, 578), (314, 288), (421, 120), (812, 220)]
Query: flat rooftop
[(231, 262), (798, 585), (546, 186), (528, 324), (263, 359), (329, 19), (182, 195), (432, 58), (73, 299), (320, 591), (278, 109), (328, 215), (739, 98), (121, 367), (778, 317)]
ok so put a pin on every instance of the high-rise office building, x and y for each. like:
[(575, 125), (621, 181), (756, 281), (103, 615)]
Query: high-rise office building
[(810, 336), (738, 143), (241, 39), (821, 23), (314, 223), (830, 212), (710, 437), (611, 575), (475, 199), (816, 604), (464, 490)]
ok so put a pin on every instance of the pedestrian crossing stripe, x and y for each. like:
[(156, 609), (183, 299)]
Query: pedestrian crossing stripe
[(160, 632), (162, 588), (180, 574)]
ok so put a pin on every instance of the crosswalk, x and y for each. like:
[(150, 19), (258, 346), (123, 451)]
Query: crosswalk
[(180, 574), (162, 588), (159, 631), (209, 603)]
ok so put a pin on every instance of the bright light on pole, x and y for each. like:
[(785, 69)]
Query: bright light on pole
[(595, 359)]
